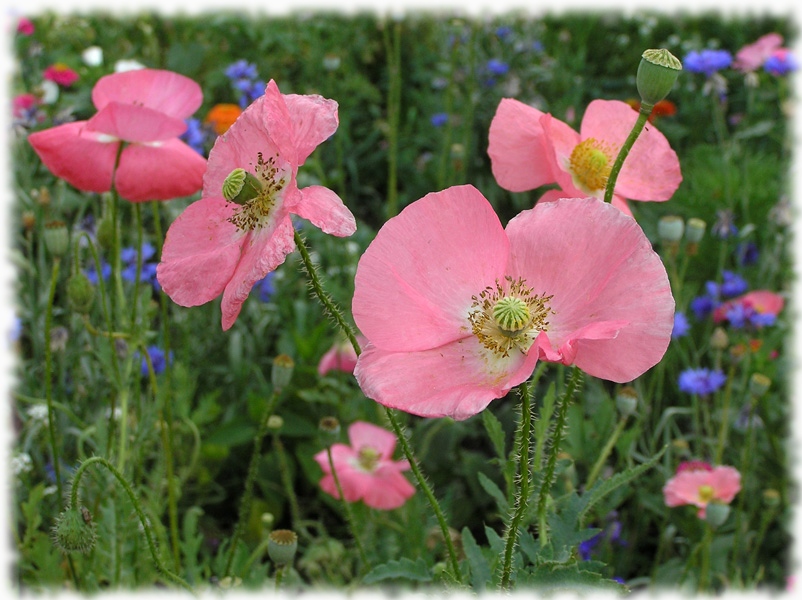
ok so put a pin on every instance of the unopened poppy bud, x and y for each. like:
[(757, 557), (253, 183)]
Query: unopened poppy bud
[(719, 340), (771, 498), (716, 513), (657, 72), (670, 228), (74, 530), (281, 546), (241, 186), (626, 401), (80, 293), (281, 374), (759, 384), (695, 230), (267, 519), (57, 238), (104, 234)]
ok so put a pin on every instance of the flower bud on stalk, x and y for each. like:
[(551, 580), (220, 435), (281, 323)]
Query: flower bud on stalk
[(74, 530), (80, 293), (281, 546), (694, 232), (281, 373)]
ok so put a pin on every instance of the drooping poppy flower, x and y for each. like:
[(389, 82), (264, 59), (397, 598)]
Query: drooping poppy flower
[(752, 56), (457, 310), (529, 148), (61, 74), (220, 246), (340, 357), (144, 109), (222, 116), (700, 487), (366, 469)]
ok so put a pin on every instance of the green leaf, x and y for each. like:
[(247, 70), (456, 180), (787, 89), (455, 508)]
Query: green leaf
[(496, 433), (480, 569), (400, 569), (554, 578), (491, 488)]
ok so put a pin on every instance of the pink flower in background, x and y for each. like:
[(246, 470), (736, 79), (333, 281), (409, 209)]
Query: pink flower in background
[(758, 302), (146, 110), (216, 246), (700, 487), (694, 465), (61, 74), (752, 56), (529, 148), (25, 26), (22, 104), (340, 357), (366, 469), (457, 310)]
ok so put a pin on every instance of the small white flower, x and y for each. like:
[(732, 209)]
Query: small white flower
[(49, 91), (21, 463), (37, 412), (50, 490), (127, 65), (93, 56)]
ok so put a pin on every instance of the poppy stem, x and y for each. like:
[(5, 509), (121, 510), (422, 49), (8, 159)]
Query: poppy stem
[(349, 514), (608, 447), (51, 425), (643, 116)]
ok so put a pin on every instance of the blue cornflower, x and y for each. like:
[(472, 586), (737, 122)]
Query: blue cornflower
[(157, 359), (747, 253), (702, 306), (439, 119), (91, 273), (497, 67), (241, 69), (701, 381), (503, 31), (681, 325), (780, 63), (724, 226), (732, 284), (586, 548), (707, 61), (266, 287), (195, 136), (128, 256)]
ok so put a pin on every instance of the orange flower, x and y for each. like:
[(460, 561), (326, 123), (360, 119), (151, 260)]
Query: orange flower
[(664, 108), (222, 116)]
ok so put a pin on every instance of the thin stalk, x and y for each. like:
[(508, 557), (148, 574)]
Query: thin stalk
[(643, 116), (349, 514), (704, 572), (137, 507), (247, 494), (284, 469), (554, 450), (725, 417), (51, 425), (525, 477), (393, 51), (608, 447)]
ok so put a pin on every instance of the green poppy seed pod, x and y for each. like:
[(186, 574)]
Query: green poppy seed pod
[(771, 498), (657, 72), (670, 228), (695, 230), (329, 426), (759, 384), (281, 374), (716, 513), (104, 234), (57, 238), (626, 401), (241, 186), (80, 293), (281, 546), (74, 530)]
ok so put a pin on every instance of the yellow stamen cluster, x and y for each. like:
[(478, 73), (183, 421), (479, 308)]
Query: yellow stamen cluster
[(254, 213), (706, 493), (368, 458), (590, 164), (503, 319)]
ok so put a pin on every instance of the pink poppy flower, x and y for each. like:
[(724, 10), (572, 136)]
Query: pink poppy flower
[(61, 74), (25, 26), (752, 56), (340, 357), (366, 469), (146, 110), (458, 310), (529, 148), (700, 487), (758, 302), (216, 246), (22, 104), (694, 465)]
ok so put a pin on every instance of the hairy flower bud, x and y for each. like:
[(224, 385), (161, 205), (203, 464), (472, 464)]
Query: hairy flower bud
[(74, 530), (657, 72), (104, 234), (80, 293)]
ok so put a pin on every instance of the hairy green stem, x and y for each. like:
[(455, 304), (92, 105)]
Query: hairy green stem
[(525, 475), (643, 116), (51, 424), (349, 514), (704, 571), (76, 482)]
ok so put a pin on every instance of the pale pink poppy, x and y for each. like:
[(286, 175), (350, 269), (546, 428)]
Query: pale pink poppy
[(529, 148), (340, 357), (457, 310), (752, 56), (216, 246), (145, 110), (366, 469), (761, 302), (700, 487)]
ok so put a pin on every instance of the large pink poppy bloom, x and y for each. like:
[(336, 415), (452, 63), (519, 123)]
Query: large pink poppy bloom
[(216, 246), (457, 310), (144, 109), (529, 148), (700, 487), (752, 56), (366, 469)]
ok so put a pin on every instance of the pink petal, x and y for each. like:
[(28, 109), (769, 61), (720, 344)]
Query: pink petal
[(173, 170), (324, 209), (751, 57), (167, 92), (134, 123), (262, 251), (362, 434), (389, 490), (517, 147), (201, 251), (341, 455), (75, 155), (415, 282), (683, 488), (415, 383), (279, 124), (314, 120), (651, 171), (598, 266), (726, 481), (562, 141)]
